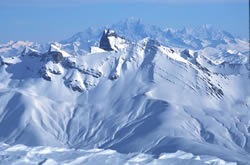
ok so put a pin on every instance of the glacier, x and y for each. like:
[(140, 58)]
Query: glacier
[(128, 93)]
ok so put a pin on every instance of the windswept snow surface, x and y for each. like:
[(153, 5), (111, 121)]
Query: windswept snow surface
[(20, 154), (141, 102)]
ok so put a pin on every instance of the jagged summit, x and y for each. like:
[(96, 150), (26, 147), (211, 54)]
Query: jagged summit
[(111, 41), (30, 52), (104, 42)]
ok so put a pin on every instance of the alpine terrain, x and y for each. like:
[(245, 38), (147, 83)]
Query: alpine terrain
[(128, 93)]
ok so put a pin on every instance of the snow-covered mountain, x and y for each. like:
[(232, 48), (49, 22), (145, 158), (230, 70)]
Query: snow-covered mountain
[(134, 29), (133, 88)]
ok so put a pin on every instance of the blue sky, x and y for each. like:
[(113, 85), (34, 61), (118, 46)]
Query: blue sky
[(46, 20)]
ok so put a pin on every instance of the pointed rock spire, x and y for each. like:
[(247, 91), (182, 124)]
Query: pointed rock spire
[(111, 41), (105, 43)]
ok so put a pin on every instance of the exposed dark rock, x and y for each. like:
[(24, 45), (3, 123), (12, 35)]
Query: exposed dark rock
[(92, 72), (104, 42), (114, 77), (214, 90), (57, 56), (44, 74), (187, 53), (172, 50), (77, 88), (46, 77), (151, 47), (69, 63), (69, 83), (29, 52), (204, 69), (1, 61), (55, 72)]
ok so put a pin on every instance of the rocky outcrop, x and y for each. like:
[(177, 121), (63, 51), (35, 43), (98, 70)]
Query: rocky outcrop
[(104, 42), (111, 41), (57, 56)]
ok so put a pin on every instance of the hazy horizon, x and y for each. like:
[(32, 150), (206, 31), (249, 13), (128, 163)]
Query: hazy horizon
[(44, 21)]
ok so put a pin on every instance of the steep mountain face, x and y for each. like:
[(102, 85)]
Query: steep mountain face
[(111, 41), (129, 95)]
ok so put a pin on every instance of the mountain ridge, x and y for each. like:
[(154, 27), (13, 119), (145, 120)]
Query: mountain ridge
[(134, 29), (141, 96)]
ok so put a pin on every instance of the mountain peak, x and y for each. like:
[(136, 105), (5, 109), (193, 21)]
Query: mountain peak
[(104, 42), (30, 52), (111, 41), (109, 32)]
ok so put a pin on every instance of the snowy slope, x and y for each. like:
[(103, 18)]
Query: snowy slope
[(20, 154), (133, 96)]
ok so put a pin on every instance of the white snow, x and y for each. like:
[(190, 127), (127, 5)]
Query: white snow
[(174, 56), (117, 43), (96, 50), (50, 156), (144, 103), (57, 49)]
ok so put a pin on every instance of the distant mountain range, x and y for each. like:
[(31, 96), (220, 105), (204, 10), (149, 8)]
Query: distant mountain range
[(131, 88)]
